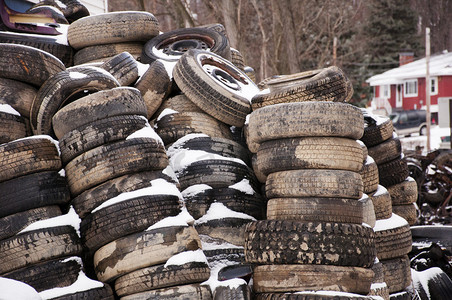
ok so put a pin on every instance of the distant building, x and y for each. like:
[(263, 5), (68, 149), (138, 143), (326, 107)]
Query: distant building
[(403, 88)]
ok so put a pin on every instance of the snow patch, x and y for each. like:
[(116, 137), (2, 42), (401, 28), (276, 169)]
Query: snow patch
[(165, 112), (169, 66), (380, 191), (243, 186), (182, 219), (209, 243), (142, 68), (195, 189), (369, 160), (69, 219), (394, 221), (217, 211), (158, 187), (186, 257), (12, 290), (77, 75), (146, 132), (62, 173), (179, 144), (6, 108)]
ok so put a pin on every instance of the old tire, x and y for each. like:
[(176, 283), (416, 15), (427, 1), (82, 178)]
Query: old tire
[(392, 237), (18, 95)]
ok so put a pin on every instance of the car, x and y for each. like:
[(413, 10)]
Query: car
[(445, 142), (407, 122)]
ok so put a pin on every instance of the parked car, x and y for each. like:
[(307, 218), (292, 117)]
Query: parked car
[(407, 122), (445, 142)]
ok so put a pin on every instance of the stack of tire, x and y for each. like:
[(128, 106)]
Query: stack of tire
[(392, 232), (305, 140)]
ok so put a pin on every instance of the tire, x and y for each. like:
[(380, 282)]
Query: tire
[(197, 204), (328, 84), (386, 151), (309, 153), (112, 222), (123, 67), (393, 172), (161, 276), (438, 283), (27, 156), (63, 88), (143, 249), (179, 103), (406, 211), (48, 44), (405, 192), (295, 242), (302, 119), (114, 27), (100, 293), (33, 191), (39, 245), (97, 106), (12, 224), (215, 85), (311, 295), (177, 125), (92, 198), (423, 130), (381, 200), (60, 272), (113, 160), (313, 209), (181, 292), (237, 59), (376, 129), (392, 238), (314, 183), (297, 278), (397, 273), (368, 211), (98, 133), (18, 95), (369, 174), (225, 255), (261, 177), (12, 127), (229, 229), (28, 64), (154, 86), (171, 45), (216, 173), (234, 291), (104, 52)]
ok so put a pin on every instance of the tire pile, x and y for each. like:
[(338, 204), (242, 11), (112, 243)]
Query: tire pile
[(156, 160)]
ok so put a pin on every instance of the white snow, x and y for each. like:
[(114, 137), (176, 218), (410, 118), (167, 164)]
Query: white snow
[(380, 191), (422, 277), (142, 68), (209, 243), (73, 258), (17, 290), (158, 187), (195, 189), (379, 285), (42, 136), (186, 257), (436, 132), (217, 211), (83, 283), (62, 173), (165, 112), (185, 157), (394, 221), (379, 119), (243, 186), (6, 108), (170, 172), (69, 219), (336, 293), (182, 219), (180, 143), (169, 66), (369, 160), (146, 132), (77, 75)]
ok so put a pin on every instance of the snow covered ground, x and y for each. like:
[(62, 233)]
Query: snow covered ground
[(410, 143)]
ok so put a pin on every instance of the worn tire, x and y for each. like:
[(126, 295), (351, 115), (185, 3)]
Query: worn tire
[(97, 106), (100, 293), (314, 183), (97, 133), (405, 192), (369, 174), (397, 273), (316, 209), (215, 85), (406, 211), (114, 27), (32, 191), (296, 278), (171, 45), (112, 222), (393, 172), (154, 86), (123, 67), (386, 151), (289, 120), (113, 160), (18, 95), (309, 153), (104, 52), (296, 242), (174, 126), (311, 295), (142, 250), (12, 127), (179, 103), (63, 88), (229, 229), (381, 200), (328, 84), (39, 245), (92, 198), (376, 129), (161, 276), (392, 237), (28, 64), (29, 155), (180, 292)]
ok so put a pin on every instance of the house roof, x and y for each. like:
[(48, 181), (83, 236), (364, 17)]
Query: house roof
[(440, 65)]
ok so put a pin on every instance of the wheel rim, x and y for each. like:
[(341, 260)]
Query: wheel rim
[(178, 45), (423, 131)]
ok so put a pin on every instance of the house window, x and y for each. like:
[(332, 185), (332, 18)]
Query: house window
[(434, 86), (411, 88), (386, 91)]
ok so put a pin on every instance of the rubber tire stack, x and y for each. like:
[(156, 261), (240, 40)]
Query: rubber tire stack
[(307, 153), (393, 233), (35, 247)]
